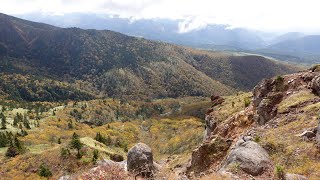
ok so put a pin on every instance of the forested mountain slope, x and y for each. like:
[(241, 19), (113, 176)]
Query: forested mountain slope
[(107, 63)]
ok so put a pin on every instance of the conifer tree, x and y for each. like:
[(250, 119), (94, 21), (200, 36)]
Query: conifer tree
[(76, 144), (3, 121)]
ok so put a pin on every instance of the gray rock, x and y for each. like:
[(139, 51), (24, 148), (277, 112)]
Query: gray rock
[(140, 160), (267, 108), (307, 135), (261, 90), (295, 177), (67, 177), (211, 125), (250, 157), (315, 84)]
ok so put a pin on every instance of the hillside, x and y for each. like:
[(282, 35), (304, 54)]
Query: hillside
[(270, 133), (110, 64)]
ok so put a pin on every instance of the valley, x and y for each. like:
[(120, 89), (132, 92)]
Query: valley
[(97, 104)]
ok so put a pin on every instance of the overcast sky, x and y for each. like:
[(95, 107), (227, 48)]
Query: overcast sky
[(266, 15)]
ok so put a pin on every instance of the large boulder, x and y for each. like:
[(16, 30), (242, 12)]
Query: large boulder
[(249, 157), (207, 154), (140, 160), (315, 85)]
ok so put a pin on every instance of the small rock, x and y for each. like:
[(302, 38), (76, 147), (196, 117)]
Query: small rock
[(67, 177), (307, 134), (295, 177)]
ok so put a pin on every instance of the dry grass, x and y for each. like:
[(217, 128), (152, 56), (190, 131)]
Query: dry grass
[(285, 148)]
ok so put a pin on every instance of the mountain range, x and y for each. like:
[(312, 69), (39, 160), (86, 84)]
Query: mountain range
[(103, 63), (292, 46)]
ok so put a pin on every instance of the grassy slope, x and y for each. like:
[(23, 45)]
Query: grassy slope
[(286, 149)]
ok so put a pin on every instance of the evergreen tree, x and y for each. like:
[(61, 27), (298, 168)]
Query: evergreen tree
[(108, 141), (18, 118), (3, 121), (76, 144), (15, 121), (4, 140), (16, 147), (18, 144), (26, 123), (44, 171)]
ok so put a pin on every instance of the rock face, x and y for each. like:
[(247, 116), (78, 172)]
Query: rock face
[(140, 160), (315, 84), (210, 120), (211, 125), (266, 96), (250, 157), (270, 92), (208, 153)]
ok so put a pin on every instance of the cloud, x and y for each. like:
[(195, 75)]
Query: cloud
[(267, 15)]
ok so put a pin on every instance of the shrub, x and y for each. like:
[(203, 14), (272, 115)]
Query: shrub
[(279, 172), (247, 101), (234, 167), (279, 79), (116, 157), (95, 156), (64, 153), (12, 151), (257, 139), (44, 171)]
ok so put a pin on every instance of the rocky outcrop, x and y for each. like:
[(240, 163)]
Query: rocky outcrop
[(207, 154), (210, 120), (210, 125), (261, 91), (266, 96), (249, 157), (216, 100), (270, 92), (235, 125), (140, 160), (315, 85), (267, 108)]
